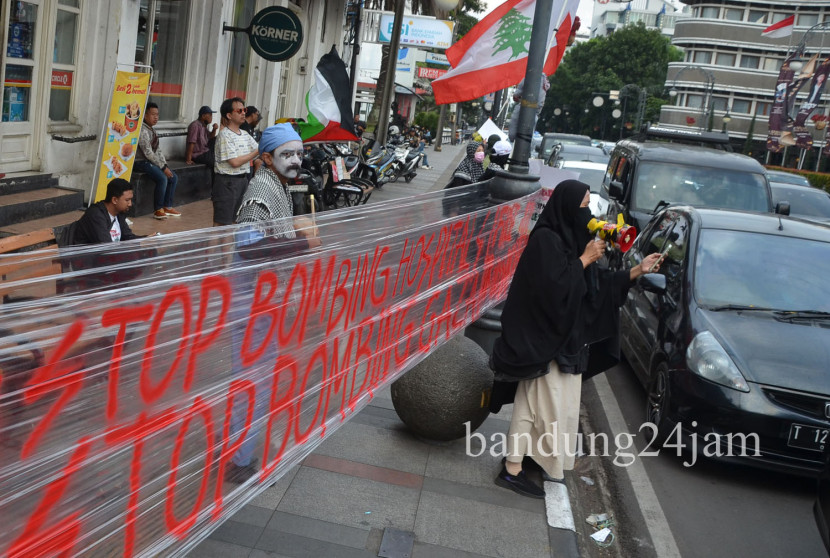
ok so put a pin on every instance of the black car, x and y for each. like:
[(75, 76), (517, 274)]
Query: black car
[(822, 508), (552, 139), (644, 176), (732, 337), (804, 201)]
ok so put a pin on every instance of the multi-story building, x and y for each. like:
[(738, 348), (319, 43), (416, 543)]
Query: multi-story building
[(729, 67), (655, 14), (60, 57)]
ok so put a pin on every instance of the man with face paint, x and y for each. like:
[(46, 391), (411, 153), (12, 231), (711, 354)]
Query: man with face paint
[(270, 232)]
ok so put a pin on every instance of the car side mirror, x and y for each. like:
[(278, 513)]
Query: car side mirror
[(615, 190), (653, 282), (782, 208)]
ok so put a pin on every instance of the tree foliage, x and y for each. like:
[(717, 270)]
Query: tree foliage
[(631, 55)]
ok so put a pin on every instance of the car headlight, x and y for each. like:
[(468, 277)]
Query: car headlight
[(708, 359)]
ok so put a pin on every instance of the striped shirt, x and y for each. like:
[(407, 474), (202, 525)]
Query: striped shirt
[(230, 145)]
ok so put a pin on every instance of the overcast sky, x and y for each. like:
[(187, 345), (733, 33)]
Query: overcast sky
[(584, 11)]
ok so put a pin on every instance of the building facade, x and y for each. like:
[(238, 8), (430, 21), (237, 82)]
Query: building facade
[(655, 14), (729, 67), (60, 57)]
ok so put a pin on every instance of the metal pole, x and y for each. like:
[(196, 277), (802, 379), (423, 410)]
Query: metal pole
[(355, 46), (533, 84), (391, 67)]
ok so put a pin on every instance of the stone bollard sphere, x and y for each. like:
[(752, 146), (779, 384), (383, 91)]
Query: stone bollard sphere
[(445, 390)]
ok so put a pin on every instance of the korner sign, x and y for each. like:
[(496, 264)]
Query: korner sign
[(275, 34)]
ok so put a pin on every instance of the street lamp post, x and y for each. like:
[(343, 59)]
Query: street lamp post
[(726, 119), (707, 98)]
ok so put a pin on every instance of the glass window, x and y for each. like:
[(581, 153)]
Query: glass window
[(612, 17), (762, 108), (757, 16), (21, 34), (741, 106), (694, 101), (719, 103), (725, 59), (65, 29), (710, 11), (733, 14), (772, 64), (63, 61), (703, 57), (806, 20), (164, 23), (650, 19), (779, 16), (240, 55), (70, 3), (750, 61), (17, 87)]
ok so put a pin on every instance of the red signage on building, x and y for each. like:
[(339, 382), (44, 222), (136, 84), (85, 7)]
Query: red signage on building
[(61, 79), (430, 73)]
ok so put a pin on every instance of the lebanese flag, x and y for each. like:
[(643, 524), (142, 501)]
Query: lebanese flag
[(783, 28), (493, 54), (329, 103)]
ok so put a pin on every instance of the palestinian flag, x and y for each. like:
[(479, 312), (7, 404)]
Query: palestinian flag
[(329, 103), (493, 54)]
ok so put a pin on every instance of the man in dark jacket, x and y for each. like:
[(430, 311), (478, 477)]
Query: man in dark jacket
[(105, 221)]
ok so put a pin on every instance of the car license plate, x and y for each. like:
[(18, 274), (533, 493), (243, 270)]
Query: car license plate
[(808, 437)]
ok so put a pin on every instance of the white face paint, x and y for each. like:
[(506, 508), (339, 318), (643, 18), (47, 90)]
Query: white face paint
[(288, 159)]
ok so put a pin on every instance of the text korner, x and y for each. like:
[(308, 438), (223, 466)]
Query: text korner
[(274, 33)]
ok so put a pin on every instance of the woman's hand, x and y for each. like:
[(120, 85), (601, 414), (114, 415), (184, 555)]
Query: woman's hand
[(593, 252), (650, 264)]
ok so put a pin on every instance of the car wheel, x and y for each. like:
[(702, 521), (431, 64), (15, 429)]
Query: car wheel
[(657, 402)]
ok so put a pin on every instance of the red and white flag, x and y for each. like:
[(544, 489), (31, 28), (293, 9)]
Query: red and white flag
[(493, 54), (783, 28)]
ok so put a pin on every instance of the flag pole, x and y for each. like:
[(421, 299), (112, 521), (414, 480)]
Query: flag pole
[(533, 84)]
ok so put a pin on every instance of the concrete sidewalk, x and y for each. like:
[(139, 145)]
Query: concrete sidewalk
[(373, 478)]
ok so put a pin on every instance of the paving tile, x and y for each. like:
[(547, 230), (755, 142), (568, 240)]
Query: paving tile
[(211, 548), (234, 532), (253, 515), (296, 546), (453, 464), (350, 501), (485, 529), (365, 471), (423, 550), (490, 494), (320, 530), (377, 446), (270, 498)]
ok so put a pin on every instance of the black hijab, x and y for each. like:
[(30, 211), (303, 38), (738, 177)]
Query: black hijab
[(544, 302)]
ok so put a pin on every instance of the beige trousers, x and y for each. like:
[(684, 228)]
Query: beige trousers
[(546, 420)]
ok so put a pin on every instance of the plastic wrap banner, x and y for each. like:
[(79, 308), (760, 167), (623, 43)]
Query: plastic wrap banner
[(140, 374)]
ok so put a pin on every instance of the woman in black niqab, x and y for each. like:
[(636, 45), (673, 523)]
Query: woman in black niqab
[(559, 304)]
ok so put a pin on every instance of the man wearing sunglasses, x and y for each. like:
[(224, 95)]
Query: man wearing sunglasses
[(235, 150)]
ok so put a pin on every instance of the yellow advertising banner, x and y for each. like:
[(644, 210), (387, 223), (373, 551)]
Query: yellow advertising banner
[(120, 140)]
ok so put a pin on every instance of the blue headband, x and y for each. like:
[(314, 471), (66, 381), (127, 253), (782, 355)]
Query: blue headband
[(276, 135)]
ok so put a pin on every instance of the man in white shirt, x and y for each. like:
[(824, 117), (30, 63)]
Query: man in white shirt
[(234, 152)]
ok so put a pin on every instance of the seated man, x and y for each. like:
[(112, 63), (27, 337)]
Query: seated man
[(105, 221), (150, 159), (200, 141)]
